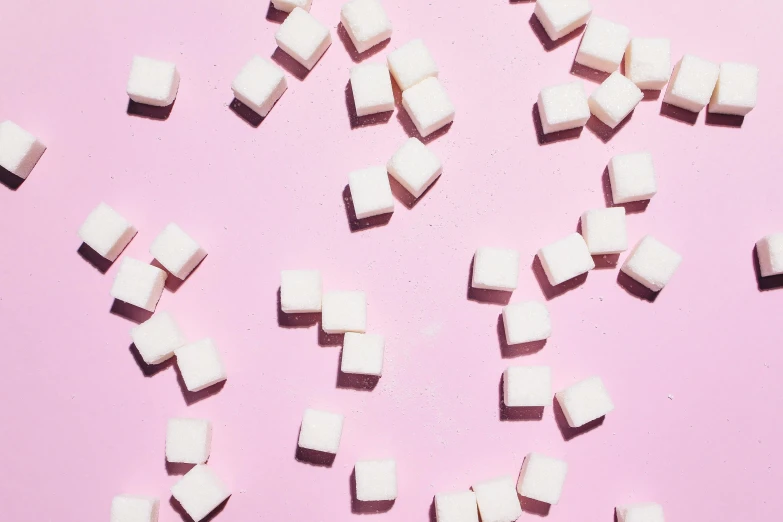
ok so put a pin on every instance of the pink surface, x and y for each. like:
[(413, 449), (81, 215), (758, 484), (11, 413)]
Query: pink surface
[(82, 422)]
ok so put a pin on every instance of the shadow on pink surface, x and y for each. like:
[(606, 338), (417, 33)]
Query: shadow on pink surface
[(176, 468), (520, 413), (275, 16), (634, 207), (362, 121), (588, 73), (604, 261), (285, 320), (98, 262), (508, 351), (11, 181), (549, 291), (481, 295), (405, 197), (128, 311), (635, 288), (554, 137), (325, 339), (353, 381), (149, 370), (314, 458), (247, 114), (186, 518), (356, 56), (723, 120), (173, 283), (433, 513), (678, 114), (151, 112), (651, 94), (567, 431), (198, 396), (604, 132), (361, 224), (359, 507), (547, 43), (765, 283), (294, 68), (534, 507)]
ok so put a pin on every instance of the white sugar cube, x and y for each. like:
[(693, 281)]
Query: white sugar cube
[(366, 23), (648, 62), (495, 269), (106, 231), (542, 478), (563, 107), (604, 230), (19, 150), (138, 284), (300, 291), (199, 492), (652, 263), (200, 364), (344, 311), (456, 507), (362, 354), (566, 259), (372, 89), (321, 431), (770, 252), (177, 251), (560, 17), (376, 480), (692, 83), (371, 192), (259, 85), (157, 338), (289, 5), (131, 508), (428, 105), (526, 322), (497, 500), (411, 64), (188, 440), (642, 512), (736, 90), (603, 45), (584, 401), (527, 386), (614, 99), (632, 177), (303, 37), (414, 166), (153, 82)]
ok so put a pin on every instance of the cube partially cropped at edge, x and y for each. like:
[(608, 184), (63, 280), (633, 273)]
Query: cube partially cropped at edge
[(641, 512), (153, 82), (770, 253), (200, 491), (561, 17), (132, 508), (19, 150)]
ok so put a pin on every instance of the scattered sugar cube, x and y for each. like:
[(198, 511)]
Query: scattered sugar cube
[(153, 82), (770, 252), (289, 5), (19, 150), (415, 167), (343, 312), (199, 492), (632, 177), (527, 386), (736, 90), (648, 62), (371, 192), (366, 23), (200, 364), (106, 232), (177, 251), (376, 480), (603, 45), (563, 107), (495, 269), (362, 354), (412, 63), (188, 440), (259, 85), (321, 431), (497, 500), (428, 106), (456, 507), (604, 231), (692, 83), (614, 99), (542, 478), (303, 37), (129, 508), (138, 284), (566, 259), (560, 17), (652, 263), (300, 291), (526, 322), (584, 401), (157, 338), (642, 512), (372, 89)]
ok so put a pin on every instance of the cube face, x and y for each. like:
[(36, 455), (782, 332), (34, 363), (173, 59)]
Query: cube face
[(412, 63), (259, 85), (362, 354), (495, 269), (415, 167), (428, 105), (648, 62), (770, 253), (303, 37), (614, 99), (138, 284), (157, 338), (372, 89), (376, 480), (652, 263), (736, 90), (526, 322), (129, 508), (692, 83), (527, 386), (177, 251), (566, 259), (632, 177), (603, 45), (19, 150), (106, 231), (497, 500), (344, 311), (456, 507), (153, 82), (200, 365), (371, 192), (366, 23), (188, 440), (584, 401), (560, 17), (642, 512), (300, 291), (563, 107), (321, 431), (289, 5), (542, 478), (199, 492), (604, 230)]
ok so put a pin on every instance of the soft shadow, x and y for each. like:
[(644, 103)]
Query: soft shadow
[(606, 261), (294, 68), (549, 291), (355, 55), (521, 413), (173, 283), (355, 381), (433, 512), (250, 116), (98, 262), (151, 112), (275, 15), (314, 458), (651, 94), (186, 518), (547, 43), (500, 297), (405, 197), (534, 507), (588, 73), (635, 288), (176, 468), (554, 137), (634, 207), (407, 123), (149, 370), (368, 120), (9, 179), (325, 339), (765, 283), (130, 312), (361, 224), (286, 320), (359, 507), (604, 132), (194, 397), (723, 120), (676, 113), (567, 431), (508, 351)]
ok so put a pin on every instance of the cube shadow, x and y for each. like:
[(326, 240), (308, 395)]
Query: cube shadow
[(508, 351), (151, 112), (356, 224), (275, 15), (550, 292), (289, 64), (286, 320), (547, 43), (355, 381), (197, 396), (149, 370), (250, 116), (723, 120), (480, 295), (176, 506), (98, 262), (130, 312), (362, 121), (678, 114), (553, 137), (9, 179), (768, 282), (533, 506), (355, 55), (635, 288), (604, 132), (314, 458)]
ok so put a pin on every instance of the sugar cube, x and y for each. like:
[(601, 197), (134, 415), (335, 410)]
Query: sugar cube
[(366, 23), (321, 431), (563, 107), (289, 5), (131, 508), (527, 386), (614, 99), (560, 17), (19, 150), (736, 90), (652, 263), (188, 440), (177, 251), (157, 338), (259, 85), (106, 231), (632, 177), (604, 230), (692, 83), (770, 253), (542, 478), (584, 401), (303, 37), (138, 284), (153, 82), (199, 492), (642, 512), (376, 480), (526, 322), (603, 45), (362, 354), (371, 192), (648, 62), (415, 167), (495, 269), (565, 259), (411, 64), (428, 106), (200, 364), (456, 507), (344, 311), (497, 500), (372, 89), (300, 291)]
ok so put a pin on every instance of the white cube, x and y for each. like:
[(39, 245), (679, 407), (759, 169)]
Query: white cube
[(648, 62), (642, 512), (632, 177), (614, 99), (321, 431), (604, 230), (428, 105), (300, 291), (138, 284), (259, 85), (366, 23), (188, 440), (177, 251), (603, 45), (542, 478), (153, 82), (344, 311), (131, 508), (303, 37), (692, 83), (200, 364), (199, 492), (652, 263), (563, 107), (495, 269), (560, 17), (736, 90), (497, 500), (157, 338), (566, 259), (362, 354), (527, 386), (289, 5), (411, 64), (415, 167), (106, 231), (584, 401), (19, 150), (376, 480), (526, 322), (372, 89), (371, 192), (456, 507), (770, 252)]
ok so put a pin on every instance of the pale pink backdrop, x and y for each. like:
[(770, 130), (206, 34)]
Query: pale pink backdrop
[(695, 375)]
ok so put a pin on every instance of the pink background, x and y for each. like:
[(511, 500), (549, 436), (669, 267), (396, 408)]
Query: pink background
[(82, 422)]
